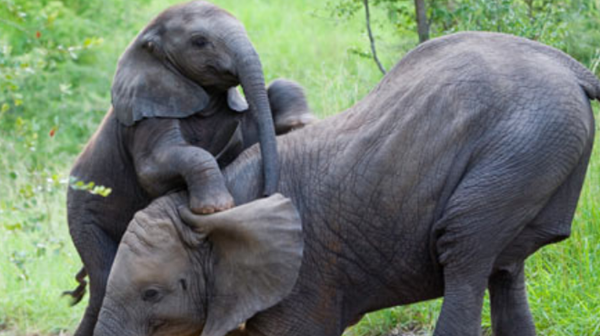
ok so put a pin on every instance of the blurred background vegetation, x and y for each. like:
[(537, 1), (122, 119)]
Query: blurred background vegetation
[(57, 59)]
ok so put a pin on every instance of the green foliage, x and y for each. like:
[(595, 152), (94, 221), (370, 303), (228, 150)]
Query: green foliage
[(400, 14), (570, 25), (90, 187), (55, 71), (536, 20), (39, 43)]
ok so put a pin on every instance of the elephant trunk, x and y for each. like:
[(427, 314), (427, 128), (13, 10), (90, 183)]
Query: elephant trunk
[(250, 73), (111, 322), (104, 329)]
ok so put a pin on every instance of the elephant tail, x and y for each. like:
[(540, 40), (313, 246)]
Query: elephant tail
[(586, 78), (589, 83), (78, 293)]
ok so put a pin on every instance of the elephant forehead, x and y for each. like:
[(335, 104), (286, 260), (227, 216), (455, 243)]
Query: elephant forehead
[(205, 8), (152, 244), (150, 250), (134, 270), (146, 235), (193, 11)]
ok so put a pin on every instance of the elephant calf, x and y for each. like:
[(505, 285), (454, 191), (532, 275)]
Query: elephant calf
[(175, 107), (467, 158)]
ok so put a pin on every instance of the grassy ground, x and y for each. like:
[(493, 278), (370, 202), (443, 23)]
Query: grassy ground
[(62, 102)]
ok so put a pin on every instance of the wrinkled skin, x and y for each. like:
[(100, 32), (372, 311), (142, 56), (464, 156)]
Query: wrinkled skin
[(467, 158), (142, 151), (256, 250)]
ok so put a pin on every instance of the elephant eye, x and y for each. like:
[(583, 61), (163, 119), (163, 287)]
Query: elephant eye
[(183, 284), (201, 42), (150, 295)]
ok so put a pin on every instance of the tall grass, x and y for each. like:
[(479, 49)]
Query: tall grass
[(61, 104)]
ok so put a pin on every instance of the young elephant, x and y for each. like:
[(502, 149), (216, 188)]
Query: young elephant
[(468, 157), (175, 107)]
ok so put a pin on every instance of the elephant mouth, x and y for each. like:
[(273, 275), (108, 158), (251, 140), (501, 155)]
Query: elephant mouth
[(219, 79), (209, 76)]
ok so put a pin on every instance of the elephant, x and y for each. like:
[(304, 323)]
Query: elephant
[(175, 113), (466, 158)]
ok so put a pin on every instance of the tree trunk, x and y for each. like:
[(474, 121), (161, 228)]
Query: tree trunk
[(422, 23)]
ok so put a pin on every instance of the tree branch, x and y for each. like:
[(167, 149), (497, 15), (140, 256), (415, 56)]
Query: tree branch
[(371, 38)]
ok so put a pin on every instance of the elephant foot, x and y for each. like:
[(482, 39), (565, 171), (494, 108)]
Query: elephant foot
[(210, 202), (294, 122)]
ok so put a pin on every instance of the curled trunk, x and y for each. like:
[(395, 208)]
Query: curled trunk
[(252, 80)]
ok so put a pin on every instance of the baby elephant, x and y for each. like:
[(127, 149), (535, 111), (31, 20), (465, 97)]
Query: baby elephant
[(176, 118), (468, 157)]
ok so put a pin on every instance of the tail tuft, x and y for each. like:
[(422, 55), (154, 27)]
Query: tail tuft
[(78, 293)]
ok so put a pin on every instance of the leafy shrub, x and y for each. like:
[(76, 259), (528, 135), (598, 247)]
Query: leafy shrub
[(570, 25)]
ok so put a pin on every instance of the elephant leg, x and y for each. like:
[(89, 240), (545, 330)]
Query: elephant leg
[(467, 260), (97, 251), (512, 179), (510, 309), (461, 310), (486, 213), (199, 169), (289, 106), (476, 229), (162, 157)]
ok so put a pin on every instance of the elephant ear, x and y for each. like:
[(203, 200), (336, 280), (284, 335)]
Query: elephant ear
[(145, 86), (257, 256), (235, 100)]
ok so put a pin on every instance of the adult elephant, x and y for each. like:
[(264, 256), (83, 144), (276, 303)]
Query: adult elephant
[(468, 157), (175, 107)]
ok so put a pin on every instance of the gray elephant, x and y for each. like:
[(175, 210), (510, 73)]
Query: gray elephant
[(467, 158), (175, 108)]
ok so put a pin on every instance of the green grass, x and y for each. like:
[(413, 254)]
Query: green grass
[(296, 39)]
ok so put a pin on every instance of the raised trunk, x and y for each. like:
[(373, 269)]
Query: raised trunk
[(252, 80)]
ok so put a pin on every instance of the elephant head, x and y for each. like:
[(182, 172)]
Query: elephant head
[(187, 54), (206, 276)]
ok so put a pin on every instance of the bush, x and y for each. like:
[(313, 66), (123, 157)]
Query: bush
[(570, 25)]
